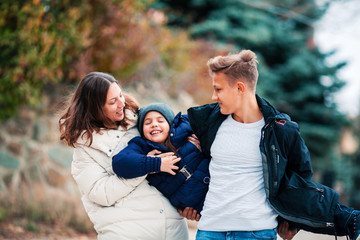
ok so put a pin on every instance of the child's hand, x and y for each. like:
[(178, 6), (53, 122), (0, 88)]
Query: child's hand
[(194, 140), (168, 163)]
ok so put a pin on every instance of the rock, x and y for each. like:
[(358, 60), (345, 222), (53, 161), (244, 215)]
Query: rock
[(61, 155), (15, 148), (55, 178), (8, 161)]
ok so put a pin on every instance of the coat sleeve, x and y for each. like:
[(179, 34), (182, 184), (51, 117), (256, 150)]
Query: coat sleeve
[(169, 184), (193, 191), (97, 183), (298, 155), (132, 162)]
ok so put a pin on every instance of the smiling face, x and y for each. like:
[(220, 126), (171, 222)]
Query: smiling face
[(227, 96), (114, 104), (156, 128)]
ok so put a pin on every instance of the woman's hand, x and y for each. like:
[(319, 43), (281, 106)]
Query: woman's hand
[(285, 232), (190, 214), (157, 153), (194, 140), (153, 153), (168, 163)]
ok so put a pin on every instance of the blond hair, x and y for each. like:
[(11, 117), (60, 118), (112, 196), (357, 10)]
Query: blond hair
[(242, 65)]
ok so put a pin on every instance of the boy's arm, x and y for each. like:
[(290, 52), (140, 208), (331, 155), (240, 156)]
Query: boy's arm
[(132, 162), (299, 156)]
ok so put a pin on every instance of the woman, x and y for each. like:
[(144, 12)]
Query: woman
[(98, 123)]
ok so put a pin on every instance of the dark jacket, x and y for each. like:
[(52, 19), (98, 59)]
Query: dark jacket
[(185, 189), (286, 163)]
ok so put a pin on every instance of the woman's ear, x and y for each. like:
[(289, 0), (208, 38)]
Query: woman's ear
[(241, 87)]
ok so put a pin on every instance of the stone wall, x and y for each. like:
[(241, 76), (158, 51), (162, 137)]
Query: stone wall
[(35, 176), (30, 152)]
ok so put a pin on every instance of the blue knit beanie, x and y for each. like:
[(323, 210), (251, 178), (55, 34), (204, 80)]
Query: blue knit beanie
[(162, 108)]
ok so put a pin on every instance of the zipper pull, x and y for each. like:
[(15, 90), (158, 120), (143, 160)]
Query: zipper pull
[(330, 224), (273, 148), (322, 197)]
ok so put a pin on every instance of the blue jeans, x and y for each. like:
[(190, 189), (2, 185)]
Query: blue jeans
[(270, 234)]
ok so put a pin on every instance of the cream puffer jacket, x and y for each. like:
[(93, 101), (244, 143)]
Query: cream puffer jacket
[(122, 208)]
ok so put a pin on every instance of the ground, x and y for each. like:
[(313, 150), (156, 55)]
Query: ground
[(17, 231)]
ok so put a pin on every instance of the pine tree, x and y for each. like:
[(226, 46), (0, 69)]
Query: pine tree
[(293, 74)]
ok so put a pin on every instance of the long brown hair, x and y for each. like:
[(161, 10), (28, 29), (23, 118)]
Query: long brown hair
[(84, 113)]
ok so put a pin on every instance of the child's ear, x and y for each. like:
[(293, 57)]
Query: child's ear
[(240, 87)]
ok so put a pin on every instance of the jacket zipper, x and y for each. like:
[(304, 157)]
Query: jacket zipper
[(295, 219), (276, 163), (263, 131), (275, 154), (320, 190), (306, 221)]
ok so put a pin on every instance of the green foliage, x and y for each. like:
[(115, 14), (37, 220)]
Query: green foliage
[(3, 213), (292, 69), (44, 43), (354, 177), (36, 42), (30, 226)]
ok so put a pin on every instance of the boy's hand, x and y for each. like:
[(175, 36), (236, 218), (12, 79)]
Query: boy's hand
[(194, 140), (285, 232), (168, 163), (190, 214)]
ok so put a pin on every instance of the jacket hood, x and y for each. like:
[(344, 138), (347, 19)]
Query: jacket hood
[(179, 131)]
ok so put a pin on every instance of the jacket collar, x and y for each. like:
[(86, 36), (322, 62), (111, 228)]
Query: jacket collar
[(269, 112), (105, 140)]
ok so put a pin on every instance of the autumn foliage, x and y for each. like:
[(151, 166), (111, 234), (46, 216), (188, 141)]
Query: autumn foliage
[(45, 44)]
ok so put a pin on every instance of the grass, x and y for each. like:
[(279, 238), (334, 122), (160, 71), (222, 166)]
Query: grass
[(42, 204)]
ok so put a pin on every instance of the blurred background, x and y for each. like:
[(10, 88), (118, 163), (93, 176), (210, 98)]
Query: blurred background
[(309, 61)]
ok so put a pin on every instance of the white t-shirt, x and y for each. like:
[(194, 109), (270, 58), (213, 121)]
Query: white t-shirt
[(236, 200)]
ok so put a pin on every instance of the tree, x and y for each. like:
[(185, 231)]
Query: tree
[(352, 179), (38, 42), (47, 45), (293, 72)]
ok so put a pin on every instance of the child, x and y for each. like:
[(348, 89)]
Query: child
[(161, 130)]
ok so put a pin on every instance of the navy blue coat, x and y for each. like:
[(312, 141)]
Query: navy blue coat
[(185, 189)]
